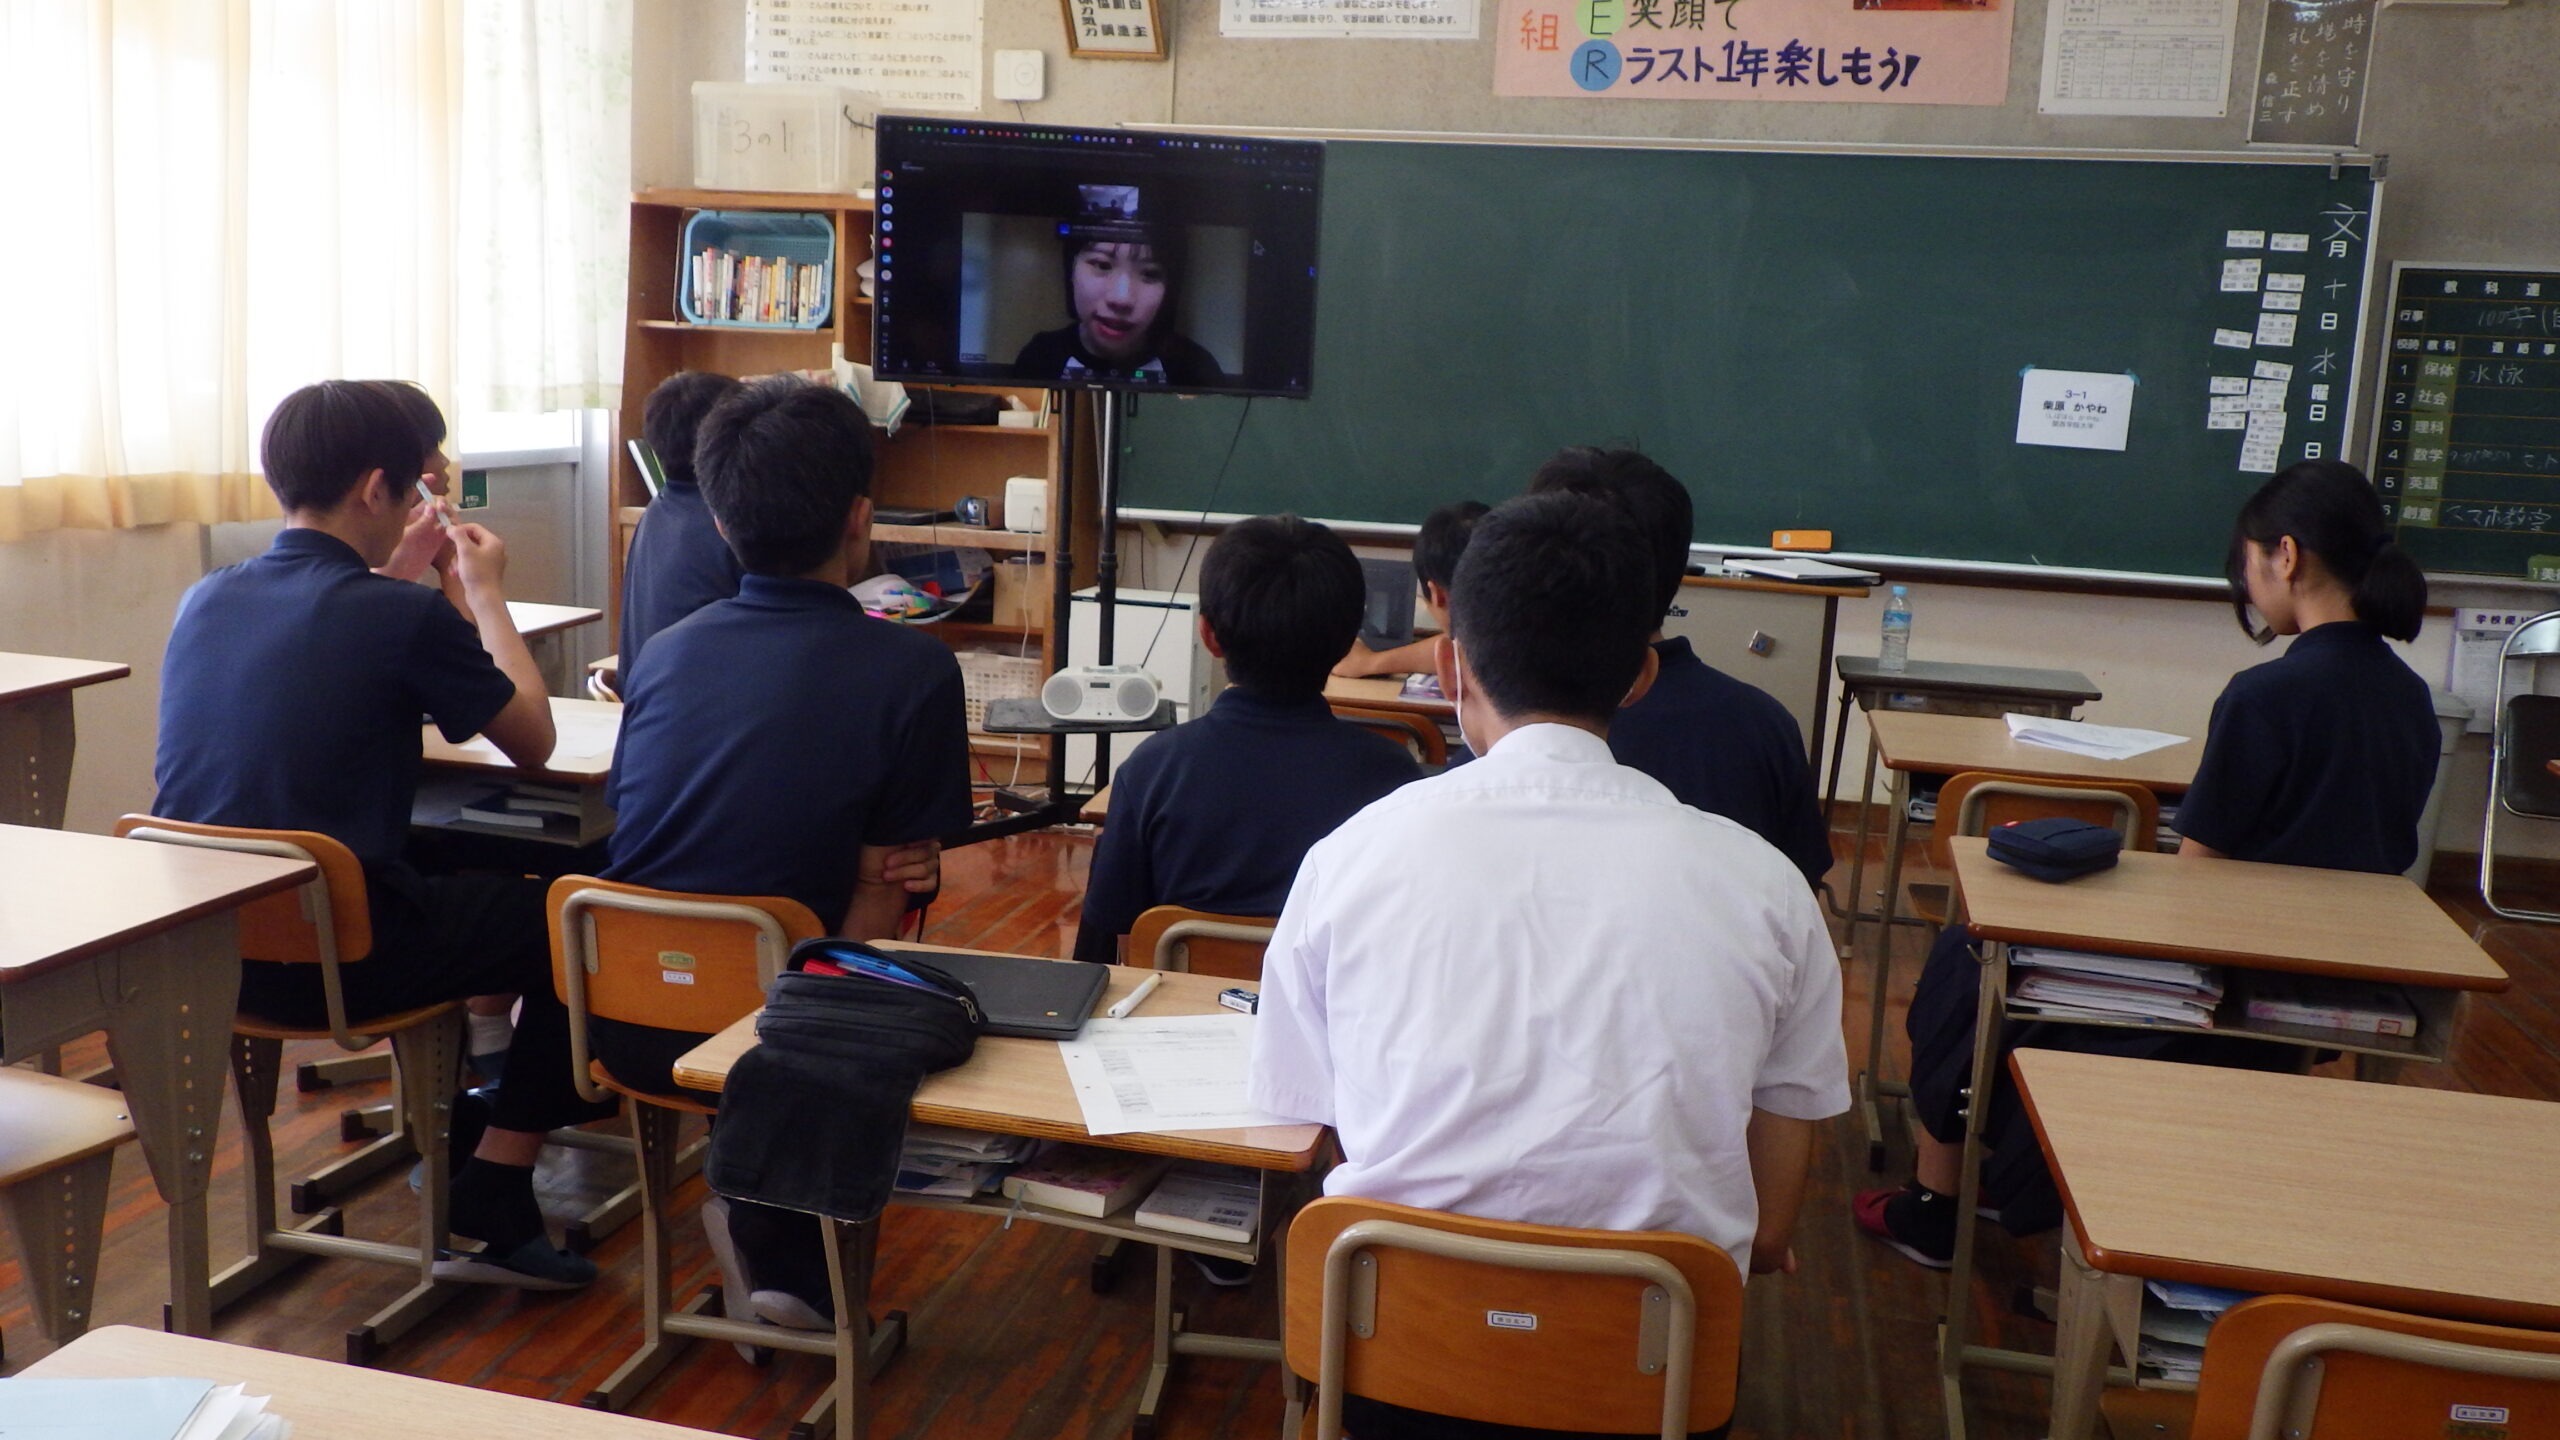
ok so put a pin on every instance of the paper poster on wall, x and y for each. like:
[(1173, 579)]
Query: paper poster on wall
[(2076, 409), (1349, 19), (913, 54), (2138, 57), (2312, 63), (1912, 52)]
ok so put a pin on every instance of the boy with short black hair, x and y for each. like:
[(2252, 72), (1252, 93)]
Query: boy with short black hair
[(290, 700), (1436, 548), (1215, 813), (677, 562), (1721, 744), (1594, 1006)]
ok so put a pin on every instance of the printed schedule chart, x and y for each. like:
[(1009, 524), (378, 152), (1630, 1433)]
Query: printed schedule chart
[(2466, 448)]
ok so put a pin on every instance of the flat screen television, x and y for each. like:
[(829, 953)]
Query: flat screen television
[(1095, 259)]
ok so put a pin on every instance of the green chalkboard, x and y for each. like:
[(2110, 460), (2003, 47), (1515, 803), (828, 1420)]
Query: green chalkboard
[(2467, 431), (1808, 340)]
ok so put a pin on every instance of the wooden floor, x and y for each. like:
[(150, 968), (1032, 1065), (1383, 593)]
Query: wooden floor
[(1008, 1338)]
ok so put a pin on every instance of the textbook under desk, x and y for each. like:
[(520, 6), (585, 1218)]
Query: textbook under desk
[(2234, 913), (2263, 1182)]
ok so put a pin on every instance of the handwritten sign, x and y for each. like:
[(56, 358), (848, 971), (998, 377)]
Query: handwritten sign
[(1918, 52), (2311, 73)]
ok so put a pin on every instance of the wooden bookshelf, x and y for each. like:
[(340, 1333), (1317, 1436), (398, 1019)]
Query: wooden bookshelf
[(922, 465)]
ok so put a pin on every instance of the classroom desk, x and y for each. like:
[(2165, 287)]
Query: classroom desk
[(1381, 692), (1097, 810), (2219, 912), (1927, 743), (37, 735), (1936, 687), (142, 941), (327, 1401), (1015, 1086), (582, 759), (542, 627), (1775, 634), (2270, 1183)]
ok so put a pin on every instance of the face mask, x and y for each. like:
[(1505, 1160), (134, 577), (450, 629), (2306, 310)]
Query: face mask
[(1458, 674)]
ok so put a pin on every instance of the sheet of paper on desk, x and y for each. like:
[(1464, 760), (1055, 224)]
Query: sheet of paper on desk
[(585, 734), (1173, 1072), (2079, 737)]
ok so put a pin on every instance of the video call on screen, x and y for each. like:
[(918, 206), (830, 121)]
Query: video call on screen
[(1039, 255)]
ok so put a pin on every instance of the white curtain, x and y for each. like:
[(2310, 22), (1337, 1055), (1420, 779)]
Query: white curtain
[(221, 200), (546, 145)]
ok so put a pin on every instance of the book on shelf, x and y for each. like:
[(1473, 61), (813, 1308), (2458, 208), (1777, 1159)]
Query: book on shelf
[(492, 807), (2077, 985), (732, 288), (946, 1160), (1084, 1180), (2356, 1006), (1215, 1202)]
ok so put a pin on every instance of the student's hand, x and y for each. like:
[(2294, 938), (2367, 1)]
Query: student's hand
[(916, 868), (479, 557), (423, 544), (1360, 663), (1782, 1263)]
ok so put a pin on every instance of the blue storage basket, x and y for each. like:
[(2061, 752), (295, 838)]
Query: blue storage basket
[(799, 237)]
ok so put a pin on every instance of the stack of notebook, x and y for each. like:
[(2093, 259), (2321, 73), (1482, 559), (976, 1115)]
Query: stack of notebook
[(2075, 985), (942, 1160)]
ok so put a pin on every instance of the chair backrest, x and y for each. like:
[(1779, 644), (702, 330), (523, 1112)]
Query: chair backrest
[(2283, 1365), (1415, 732), (2529, 735), (1169, 937), (327, 918), (1532, 1325), (2535, 639), (1980, 801), (661, 958)]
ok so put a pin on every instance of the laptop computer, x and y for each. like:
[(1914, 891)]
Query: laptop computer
[(1035, 999), (1386, 616)]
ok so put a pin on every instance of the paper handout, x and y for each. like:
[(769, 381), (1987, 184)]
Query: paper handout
[(2099, 742), (1175, 1072)]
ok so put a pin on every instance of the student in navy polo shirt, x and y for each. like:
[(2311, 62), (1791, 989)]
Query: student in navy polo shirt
[(290, 700), (783, 742), (1216, 813), (2322, 756), (1720, 744), (678, 563)]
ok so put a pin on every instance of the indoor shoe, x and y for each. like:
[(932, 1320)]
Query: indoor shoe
[(735, 1292), (536, 1264), (1916, 1220), (1222, 1272)]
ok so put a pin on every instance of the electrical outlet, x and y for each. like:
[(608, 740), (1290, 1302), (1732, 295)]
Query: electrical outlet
[(1020, 74)]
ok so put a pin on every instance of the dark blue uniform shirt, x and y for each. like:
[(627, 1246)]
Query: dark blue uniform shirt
[(677, 564), (292, 692), (1728, 748), (1215, 813), (773, 735), (2322, 756)]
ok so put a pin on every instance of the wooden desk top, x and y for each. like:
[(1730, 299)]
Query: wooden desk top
[(1014, 1086), (2230, 912), (24, 677), (1381, 693), (1097, 811), (533, 618), (1776, 587), (328, 1401), (2386, 1195), (65, 895), (1948, 744), (574, 760), (1866, 673)]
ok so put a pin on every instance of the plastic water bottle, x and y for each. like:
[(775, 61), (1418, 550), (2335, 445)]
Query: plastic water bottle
[(1895, 657)]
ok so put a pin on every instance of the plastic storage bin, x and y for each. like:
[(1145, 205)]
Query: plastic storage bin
[(759, 242), (769, 136)]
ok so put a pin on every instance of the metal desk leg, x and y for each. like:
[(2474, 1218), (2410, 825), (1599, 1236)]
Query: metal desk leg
[(1872, 1088), (1848, 908), (2081, 1341), (35, 760), (1952, 1340), (1856, 899)]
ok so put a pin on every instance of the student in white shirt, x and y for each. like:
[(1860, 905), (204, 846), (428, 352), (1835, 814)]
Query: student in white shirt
[(1539, 988)]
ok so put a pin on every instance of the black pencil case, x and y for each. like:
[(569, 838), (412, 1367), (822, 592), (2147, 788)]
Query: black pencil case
[(2055, 848)]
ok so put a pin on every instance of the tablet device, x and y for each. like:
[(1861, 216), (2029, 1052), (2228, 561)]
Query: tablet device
[(1036, 999)]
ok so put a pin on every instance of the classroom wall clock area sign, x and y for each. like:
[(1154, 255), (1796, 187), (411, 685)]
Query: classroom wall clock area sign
[(1916, 52)]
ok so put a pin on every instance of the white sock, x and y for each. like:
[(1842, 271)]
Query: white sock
[(492, 1034)]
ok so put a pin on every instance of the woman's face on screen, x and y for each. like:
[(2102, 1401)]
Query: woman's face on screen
[(1118, 290)]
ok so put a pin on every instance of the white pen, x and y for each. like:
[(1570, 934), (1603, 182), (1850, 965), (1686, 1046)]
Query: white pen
[(1131, 1000), (435, 502)]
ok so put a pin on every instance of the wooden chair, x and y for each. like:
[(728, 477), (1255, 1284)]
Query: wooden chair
[(612, 944), (2303, 1369), (57, 1144), (1590, 1330), (1414, 732), (1196, 942), (328, 922), (1979, 801)]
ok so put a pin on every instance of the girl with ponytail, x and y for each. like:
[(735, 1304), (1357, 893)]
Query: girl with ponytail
[(2322, 756)]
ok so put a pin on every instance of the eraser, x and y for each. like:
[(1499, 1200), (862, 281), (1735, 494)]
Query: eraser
[(1799, 539)]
